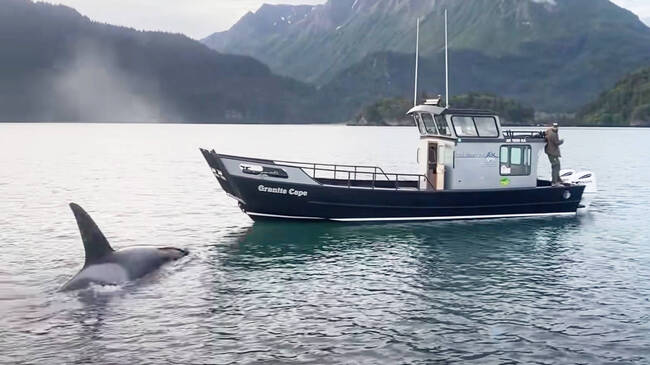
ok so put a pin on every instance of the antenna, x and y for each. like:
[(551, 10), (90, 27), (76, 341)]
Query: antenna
[(417, 57), (446, 64)]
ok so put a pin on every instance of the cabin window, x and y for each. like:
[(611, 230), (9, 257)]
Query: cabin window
[(515, 160), (429, 124), (486, 126), (476, 127), (443, 125), (464, 127)]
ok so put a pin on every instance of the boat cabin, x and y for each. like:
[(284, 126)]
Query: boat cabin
[(463, 149)]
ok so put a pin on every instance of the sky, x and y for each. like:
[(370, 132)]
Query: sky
[(200, 18)]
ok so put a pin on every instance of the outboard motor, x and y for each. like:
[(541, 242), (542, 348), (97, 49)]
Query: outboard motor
[(566, 175), (586, 178)]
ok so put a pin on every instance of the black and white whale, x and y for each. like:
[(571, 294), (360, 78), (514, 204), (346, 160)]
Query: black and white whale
[(106, 266)]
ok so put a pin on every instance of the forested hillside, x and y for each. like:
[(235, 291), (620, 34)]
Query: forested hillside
[(554, 56), (628, 103), (392, 111), (57, 65)]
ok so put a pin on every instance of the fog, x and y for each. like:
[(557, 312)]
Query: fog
[(92, 87)]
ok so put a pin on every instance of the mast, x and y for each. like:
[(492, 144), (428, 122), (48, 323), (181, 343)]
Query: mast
[(446, 63), (417, 57)]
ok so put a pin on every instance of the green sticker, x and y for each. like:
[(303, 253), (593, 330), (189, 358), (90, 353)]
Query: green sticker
[(505, 181)]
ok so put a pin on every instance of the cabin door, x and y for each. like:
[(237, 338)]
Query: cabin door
[(435, 166), (432, 162), (433, 155)]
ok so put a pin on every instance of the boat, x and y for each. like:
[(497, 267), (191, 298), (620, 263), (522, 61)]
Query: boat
[(469, 167)]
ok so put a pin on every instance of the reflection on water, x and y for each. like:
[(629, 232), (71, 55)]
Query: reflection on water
[(469, 239), (571, 290), (335, 286)]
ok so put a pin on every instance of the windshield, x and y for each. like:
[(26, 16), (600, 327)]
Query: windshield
[(429, 123), (443, 126)]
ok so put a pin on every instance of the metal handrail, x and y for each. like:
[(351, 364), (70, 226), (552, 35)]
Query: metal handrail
[(374, 171), (533, 134), (340, 168), (324, 164)]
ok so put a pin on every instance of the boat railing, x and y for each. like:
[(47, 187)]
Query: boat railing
[(537, 134), (354, 173)]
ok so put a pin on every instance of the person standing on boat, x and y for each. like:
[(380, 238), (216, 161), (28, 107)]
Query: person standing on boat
[(552, 149)]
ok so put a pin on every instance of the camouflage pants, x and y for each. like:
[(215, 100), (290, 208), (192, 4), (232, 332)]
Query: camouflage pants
[(555, 169)]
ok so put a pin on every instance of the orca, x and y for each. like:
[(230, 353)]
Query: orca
[(106, 266)]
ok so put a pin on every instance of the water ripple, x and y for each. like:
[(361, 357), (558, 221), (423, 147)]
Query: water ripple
[(505, 291)]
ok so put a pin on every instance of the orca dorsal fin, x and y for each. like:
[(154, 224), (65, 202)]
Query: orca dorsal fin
[(95, 244)]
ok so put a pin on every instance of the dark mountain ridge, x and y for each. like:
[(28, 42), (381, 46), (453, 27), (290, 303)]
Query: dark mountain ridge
[(58, 65)]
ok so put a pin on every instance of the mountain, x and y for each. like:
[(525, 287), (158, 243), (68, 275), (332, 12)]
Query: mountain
[(57, 65), (391, 111), (554, 54), (385, 112), (628, 103), (388, 74), (510, 111)]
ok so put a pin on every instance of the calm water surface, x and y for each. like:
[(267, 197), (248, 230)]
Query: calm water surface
[(573, 290)]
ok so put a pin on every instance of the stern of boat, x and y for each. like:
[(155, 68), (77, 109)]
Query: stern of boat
[(585, 178)]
